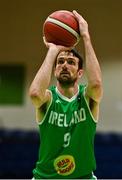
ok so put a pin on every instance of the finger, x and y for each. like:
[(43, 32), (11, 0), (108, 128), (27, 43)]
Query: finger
[(76, 13), (78, 16), (44, 39)]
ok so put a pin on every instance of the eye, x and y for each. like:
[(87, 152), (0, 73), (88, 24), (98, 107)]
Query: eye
[(71, 61), (60, 61)]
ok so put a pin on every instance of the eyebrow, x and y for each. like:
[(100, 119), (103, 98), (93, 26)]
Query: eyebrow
[(67, 58), (71, 57)]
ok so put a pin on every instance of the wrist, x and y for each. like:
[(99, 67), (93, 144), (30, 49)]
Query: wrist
[(51, 55), (86, 37), (53, 50)]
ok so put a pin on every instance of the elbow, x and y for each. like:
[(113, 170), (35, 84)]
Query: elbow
[(33, 93), (98, 89), (97, 84), (35, 97)]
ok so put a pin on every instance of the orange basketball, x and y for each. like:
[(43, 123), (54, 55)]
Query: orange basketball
[(61, 28)]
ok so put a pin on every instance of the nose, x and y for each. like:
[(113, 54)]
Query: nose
[(65, 64)]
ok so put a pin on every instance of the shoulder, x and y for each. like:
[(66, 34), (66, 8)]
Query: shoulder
[(52, 88), (82, 88), (50, 94)]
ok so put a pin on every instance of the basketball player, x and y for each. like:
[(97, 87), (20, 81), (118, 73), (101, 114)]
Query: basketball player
[(67, 114)]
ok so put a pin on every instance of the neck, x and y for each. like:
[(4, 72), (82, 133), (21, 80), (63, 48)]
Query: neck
[(68, 91)]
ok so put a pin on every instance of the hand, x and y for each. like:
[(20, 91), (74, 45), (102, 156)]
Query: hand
[(83, 25), (58, 47)]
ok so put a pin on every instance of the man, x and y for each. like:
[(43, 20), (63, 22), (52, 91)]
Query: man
[(68, 113)]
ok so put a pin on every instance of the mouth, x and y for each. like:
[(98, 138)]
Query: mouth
[(64, 72)]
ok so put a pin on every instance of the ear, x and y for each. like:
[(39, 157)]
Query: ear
[(80, 73)]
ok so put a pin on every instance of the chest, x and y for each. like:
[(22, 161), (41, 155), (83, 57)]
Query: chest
[(64, 114)]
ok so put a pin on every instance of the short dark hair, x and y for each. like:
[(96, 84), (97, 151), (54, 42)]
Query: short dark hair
[(76, 54)]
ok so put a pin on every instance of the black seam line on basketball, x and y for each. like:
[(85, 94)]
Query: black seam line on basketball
[(61, 24)]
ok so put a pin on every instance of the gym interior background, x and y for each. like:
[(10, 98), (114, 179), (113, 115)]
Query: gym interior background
[(22, 52)]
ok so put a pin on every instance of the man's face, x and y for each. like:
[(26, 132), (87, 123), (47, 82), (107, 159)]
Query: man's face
[(66, 70)]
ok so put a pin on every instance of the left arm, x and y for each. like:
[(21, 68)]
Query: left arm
[(94, 89), (92, 67), (93, 71)]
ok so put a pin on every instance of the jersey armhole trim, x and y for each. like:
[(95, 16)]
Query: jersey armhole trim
[(84, 96), (40, 123)]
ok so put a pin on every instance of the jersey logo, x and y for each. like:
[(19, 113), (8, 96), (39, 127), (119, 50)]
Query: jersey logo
[(64, 165), (58, 101)]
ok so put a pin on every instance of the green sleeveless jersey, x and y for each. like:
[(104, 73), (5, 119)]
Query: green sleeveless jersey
[(66, 138)]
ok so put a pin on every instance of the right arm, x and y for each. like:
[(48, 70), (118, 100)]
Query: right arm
[(38, 91)]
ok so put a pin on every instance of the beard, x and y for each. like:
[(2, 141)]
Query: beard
[(66, 79)]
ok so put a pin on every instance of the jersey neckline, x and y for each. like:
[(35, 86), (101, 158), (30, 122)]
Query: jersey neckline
[(66, 98)]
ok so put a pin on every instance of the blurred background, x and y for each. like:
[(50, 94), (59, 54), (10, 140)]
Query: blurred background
[(22, 52)]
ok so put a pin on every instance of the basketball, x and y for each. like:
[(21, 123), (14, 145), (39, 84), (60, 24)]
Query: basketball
[(61, 28)]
